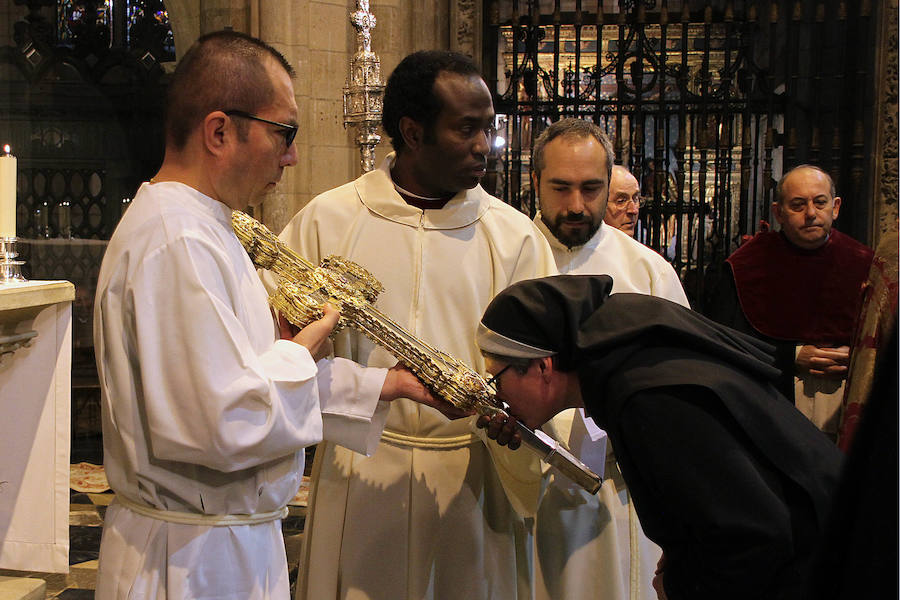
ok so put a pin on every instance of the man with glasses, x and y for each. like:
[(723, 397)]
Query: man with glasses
[(206, 412), (799, 289), (572, 171), (624, 201), (288, 131), (732, 482)]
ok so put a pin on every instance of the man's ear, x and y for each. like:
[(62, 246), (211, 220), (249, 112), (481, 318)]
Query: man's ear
[(536, 185), (217, 128), (546, 367), (837, 207), (776, 212), (412, 132)]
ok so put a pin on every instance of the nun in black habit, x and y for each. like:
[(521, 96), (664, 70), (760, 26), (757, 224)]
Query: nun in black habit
[(726, 475)]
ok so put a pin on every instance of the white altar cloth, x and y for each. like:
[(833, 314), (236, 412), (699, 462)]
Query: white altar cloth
[(34, 425)]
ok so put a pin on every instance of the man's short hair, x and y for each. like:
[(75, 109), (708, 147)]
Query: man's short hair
[(779, 187), (410, 90), (223, 70), (577, 128)]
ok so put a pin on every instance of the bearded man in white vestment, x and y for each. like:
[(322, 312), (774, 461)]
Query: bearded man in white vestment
[(576, 532), (205, 411), (436, 512)]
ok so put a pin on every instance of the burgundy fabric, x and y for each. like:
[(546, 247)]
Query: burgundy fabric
[(811, 296)]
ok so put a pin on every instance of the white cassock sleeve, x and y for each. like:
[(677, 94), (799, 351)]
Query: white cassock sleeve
[(352, 416), (215, 393)]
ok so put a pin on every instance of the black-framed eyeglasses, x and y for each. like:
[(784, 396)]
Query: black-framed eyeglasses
[(288, 131), (493, 380)]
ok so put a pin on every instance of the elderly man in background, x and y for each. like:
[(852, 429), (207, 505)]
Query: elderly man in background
[(800, 289), (624, 201), (435, 512), (576, 183)]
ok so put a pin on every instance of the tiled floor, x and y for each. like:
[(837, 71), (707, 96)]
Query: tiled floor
[(86, 513)]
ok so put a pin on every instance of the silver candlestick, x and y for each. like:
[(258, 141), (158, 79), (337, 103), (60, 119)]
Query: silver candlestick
[(364, 91), (10, 268)]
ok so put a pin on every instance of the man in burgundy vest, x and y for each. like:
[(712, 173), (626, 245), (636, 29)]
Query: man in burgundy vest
[(799, 289)]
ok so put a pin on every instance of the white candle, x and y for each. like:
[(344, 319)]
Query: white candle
[(7, 193)]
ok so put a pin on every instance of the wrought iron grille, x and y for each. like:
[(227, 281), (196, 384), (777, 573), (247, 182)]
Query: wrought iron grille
[(707, 103)]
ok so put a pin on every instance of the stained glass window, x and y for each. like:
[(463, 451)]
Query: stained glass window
[(130, 23), (79, 17), (148, 21)]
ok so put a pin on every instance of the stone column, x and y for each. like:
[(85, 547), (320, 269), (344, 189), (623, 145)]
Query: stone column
[(885, 213), (466, 28), (192, 18)]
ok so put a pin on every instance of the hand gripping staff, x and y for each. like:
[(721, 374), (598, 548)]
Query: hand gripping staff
[(302, 290)]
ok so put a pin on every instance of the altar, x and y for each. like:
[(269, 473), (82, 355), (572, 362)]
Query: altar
[(35, 364)]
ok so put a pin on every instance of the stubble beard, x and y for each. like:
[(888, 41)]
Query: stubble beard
[(575, 239)]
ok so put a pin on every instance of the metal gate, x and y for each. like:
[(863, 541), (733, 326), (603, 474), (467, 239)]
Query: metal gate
[(707, 102)]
